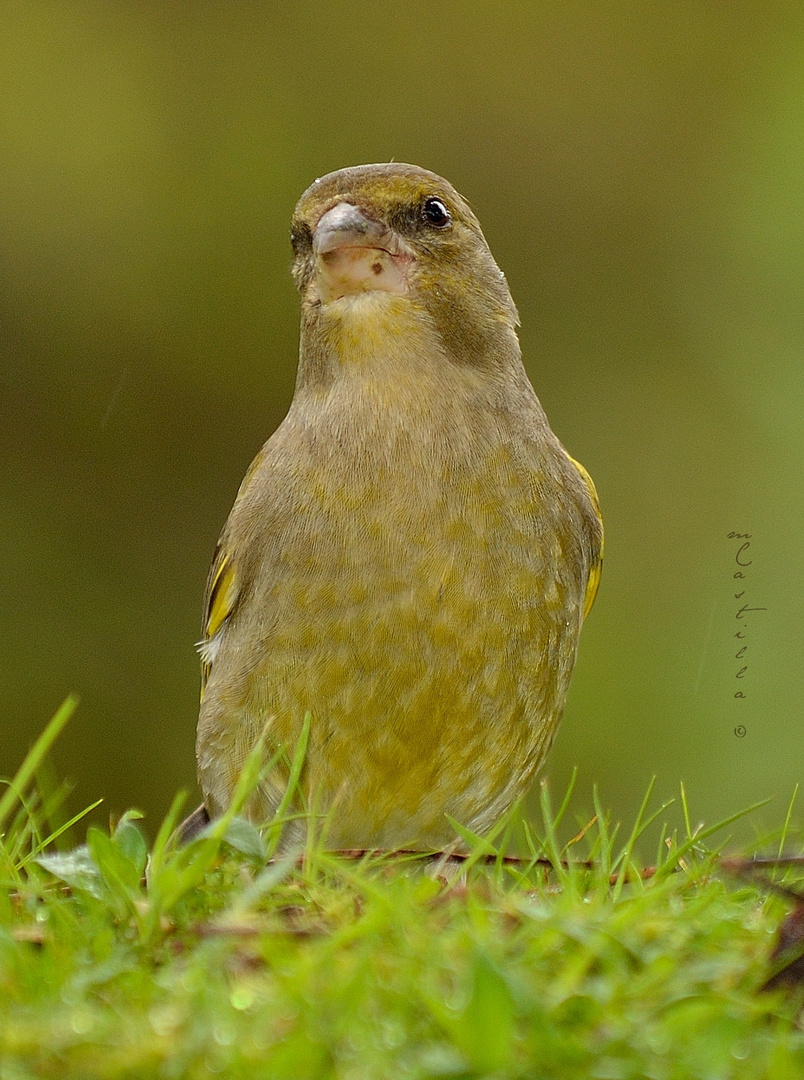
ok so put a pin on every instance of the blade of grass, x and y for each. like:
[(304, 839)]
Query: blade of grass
[(625, 858), (566, 800), (17, 785), (293, 785), (480, 847), (786, 826), (42, 845), (296, 766), (511, 819), (604, 836), (551, 845), (686, 811), (678, 853)]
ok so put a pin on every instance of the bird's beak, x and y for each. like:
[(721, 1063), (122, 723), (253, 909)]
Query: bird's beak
[(355, 254)]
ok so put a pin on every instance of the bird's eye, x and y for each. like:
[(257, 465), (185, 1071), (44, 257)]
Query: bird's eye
[(435, 213)]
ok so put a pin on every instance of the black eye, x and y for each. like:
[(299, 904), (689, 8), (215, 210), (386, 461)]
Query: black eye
[(435, 213)]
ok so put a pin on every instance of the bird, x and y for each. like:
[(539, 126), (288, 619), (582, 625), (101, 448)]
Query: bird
[(412, 553)]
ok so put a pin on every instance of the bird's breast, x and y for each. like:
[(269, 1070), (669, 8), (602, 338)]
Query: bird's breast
[(434, 543), (414, 594)]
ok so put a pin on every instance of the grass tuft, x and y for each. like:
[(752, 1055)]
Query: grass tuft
[(242, 955)]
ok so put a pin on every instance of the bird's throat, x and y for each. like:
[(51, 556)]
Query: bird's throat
[(351, 271)]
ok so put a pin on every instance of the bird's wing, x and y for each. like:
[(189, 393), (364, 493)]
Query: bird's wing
[(220, 598), (596, 567)]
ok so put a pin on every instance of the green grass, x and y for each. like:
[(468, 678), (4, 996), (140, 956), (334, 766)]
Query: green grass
[(120, 961)]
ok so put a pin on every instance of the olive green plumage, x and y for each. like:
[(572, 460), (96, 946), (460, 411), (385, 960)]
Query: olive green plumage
[(411, 554)]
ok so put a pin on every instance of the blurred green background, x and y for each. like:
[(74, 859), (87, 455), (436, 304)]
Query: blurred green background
[(639, 172)]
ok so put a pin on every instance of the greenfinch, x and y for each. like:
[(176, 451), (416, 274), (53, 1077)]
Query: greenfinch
[(412, 553)]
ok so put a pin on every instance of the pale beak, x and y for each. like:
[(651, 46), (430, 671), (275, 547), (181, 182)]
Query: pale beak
[(357, 254)]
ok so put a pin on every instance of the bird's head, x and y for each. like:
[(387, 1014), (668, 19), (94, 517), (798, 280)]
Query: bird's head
[(386, 249)]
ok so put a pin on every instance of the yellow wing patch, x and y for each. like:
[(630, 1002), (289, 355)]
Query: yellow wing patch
[(220, 600), (596, 569)]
